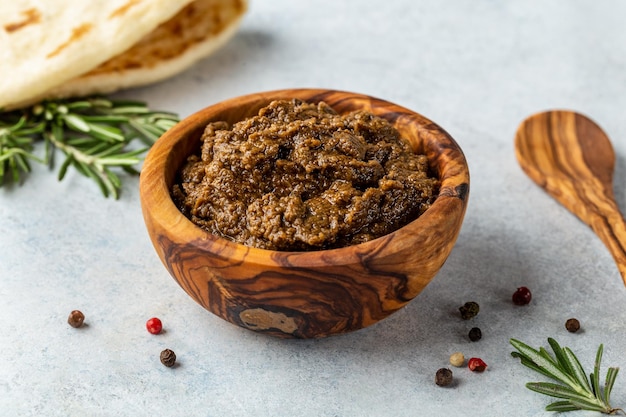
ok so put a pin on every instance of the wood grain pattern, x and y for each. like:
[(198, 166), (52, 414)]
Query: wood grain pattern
[(304, 294), (572, 159)]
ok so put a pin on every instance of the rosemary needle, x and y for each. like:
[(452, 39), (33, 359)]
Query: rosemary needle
[(94, 134), (575, 390)]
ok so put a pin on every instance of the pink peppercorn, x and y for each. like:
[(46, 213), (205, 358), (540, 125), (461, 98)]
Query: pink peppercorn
[(154, 325), (476, 365), (522, 296)]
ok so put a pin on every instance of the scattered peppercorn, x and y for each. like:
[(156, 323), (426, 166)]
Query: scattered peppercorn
[(475, 334), (572, 325), (476, 365), (154, 325), (76, 319), (443, 377), (168, 358), (469, 310), (522, 296), (457, 359)]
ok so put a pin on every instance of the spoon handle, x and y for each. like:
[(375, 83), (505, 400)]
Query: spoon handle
[(608, 223)]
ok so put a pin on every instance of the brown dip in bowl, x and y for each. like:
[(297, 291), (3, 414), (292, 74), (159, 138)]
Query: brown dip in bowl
[(299, 176), (312, 293)]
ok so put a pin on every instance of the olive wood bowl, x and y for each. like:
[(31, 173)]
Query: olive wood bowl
[(304, 294)]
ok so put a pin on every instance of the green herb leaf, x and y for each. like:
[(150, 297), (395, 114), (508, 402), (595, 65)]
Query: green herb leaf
[(547, 364), (75, 122), (610, 381), (576, 391), (561, 406), (95, 134)]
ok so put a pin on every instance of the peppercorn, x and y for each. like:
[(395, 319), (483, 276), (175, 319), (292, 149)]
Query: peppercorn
[(443, 377), (522, 296), (469, 310), (457, 359), (572, 325), (168, 358), (154, 325), (475, 334), (476, 365), (76, 319)]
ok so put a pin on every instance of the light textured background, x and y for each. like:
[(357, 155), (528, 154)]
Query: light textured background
[(478, 68)]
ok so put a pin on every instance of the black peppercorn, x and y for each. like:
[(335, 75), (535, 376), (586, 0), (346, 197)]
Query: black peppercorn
[(572, 325), (168, 358), (76, 319), (469, 310), (443, 377), (475, 334)]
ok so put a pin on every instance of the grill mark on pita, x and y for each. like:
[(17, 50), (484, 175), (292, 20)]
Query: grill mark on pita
[(123, 9), (31, 16), (77, 33)]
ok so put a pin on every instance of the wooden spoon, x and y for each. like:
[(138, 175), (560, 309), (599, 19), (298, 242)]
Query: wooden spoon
[(572, 159)]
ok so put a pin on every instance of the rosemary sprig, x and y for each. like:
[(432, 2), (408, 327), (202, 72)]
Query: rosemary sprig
[(94, 134), (574, 389)]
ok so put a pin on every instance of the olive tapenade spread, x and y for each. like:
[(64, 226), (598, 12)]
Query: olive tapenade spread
[(301, 177)]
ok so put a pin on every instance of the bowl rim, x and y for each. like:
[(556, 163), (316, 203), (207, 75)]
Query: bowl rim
[(159, 207)]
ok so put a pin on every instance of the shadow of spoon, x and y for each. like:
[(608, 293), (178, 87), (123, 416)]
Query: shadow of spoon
[(572, 159)]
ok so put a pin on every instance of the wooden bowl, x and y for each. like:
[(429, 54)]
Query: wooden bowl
[(304, 294)]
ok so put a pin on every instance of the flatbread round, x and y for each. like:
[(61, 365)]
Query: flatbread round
[(45, 45), (195, 32)]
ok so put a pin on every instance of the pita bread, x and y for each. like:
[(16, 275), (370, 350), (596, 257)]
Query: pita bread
[(44, 44), (194, 33), (76, 47)]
